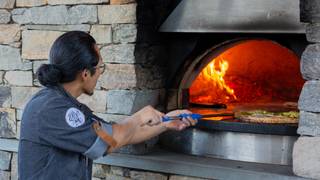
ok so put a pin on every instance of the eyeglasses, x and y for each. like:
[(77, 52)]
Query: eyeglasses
[(102, 68)]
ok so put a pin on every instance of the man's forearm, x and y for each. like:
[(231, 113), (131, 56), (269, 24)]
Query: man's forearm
[(131, 132), (146, 132), (142, 126), (124, 131)]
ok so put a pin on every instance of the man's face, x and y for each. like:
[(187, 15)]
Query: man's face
[(91, 79)]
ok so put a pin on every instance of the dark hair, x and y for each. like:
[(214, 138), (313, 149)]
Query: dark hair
[(71, 53)]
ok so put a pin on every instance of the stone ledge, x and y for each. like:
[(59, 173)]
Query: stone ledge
[(168, 162), (173, 163)]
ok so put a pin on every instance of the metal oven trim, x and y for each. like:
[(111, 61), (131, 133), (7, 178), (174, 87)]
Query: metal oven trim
[(249, 147)]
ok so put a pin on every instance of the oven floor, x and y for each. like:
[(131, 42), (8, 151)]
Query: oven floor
[(212, 168), (234, 107)]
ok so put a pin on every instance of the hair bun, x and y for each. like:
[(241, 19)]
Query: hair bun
[(49, 75)]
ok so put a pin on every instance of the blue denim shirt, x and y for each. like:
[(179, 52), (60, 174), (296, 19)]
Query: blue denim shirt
[(57, 140)]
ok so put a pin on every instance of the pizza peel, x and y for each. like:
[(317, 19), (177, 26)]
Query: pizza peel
[(228, 122)]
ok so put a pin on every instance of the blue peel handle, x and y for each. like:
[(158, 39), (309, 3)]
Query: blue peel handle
[(166, 118), (193, 116)]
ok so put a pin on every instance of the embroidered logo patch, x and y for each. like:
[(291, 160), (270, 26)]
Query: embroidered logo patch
[(74, 117)]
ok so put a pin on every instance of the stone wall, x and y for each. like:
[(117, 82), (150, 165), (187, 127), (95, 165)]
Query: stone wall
[(128, 45), (119, 173), (306, 151), (135, 54)]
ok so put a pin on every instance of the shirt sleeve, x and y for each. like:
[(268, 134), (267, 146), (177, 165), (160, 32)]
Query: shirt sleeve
[(99, 147), (66, 127)]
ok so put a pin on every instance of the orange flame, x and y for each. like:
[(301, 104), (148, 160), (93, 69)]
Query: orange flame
[(211, 77), (247, 73), (215, 75)]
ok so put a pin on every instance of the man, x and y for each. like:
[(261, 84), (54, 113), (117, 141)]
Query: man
[(60, 136)]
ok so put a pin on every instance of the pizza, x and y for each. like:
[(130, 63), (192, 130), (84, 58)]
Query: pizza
[(260, 116)]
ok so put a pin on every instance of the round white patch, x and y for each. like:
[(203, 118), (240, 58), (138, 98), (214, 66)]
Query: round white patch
[(74, 117)]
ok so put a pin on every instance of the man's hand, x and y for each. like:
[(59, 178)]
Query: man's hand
[(146, 124), (149, 116), (179, 125)]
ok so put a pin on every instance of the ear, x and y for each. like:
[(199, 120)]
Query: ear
[(84, 74)]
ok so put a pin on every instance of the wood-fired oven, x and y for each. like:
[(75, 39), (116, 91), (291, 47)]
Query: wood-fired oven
[(246, 65)]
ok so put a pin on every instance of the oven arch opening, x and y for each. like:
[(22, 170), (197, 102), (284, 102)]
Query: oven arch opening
[(258, 71), (234, 138)]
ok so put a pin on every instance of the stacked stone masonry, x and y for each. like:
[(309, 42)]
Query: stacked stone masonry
[(119, 173), (306, 153), (27, 31)]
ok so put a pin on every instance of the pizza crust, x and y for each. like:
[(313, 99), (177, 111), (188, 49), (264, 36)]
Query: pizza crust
[(268, 117)]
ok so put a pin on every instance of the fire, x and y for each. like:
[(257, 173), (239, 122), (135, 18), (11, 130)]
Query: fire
[(254, 71), (215, 76), (212, 78)]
